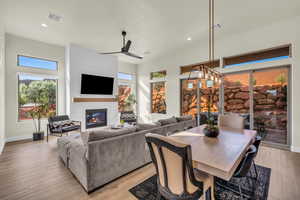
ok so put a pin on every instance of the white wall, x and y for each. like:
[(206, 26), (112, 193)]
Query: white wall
[(282, 32), (88, 61), (128, 68), (16, 130), (2, 88)]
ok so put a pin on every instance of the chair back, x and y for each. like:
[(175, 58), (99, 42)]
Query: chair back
[(173, 162), (257, 143), (58, 118), (246, 162), (232, 120)]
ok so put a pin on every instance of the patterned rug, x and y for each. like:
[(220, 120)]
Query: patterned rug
[(147, 189)]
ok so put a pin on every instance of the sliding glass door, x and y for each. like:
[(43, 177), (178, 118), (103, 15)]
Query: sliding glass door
[(270, 99), (260, 96), (237, 95)]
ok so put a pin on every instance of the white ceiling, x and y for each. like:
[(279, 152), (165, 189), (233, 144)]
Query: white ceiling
[(157, 26)]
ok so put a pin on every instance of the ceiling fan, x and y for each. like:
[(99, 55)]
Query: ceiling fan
[(125, 48)]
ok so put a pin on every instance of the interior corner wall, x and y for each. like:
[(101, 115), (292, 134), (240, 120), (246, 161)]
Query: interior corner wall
[(271, 35), (15, 45), (2, 88)]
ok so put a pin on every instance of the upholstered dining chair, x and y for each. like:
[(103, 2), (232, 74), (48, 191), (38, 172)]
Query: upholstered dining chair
[(256, 143), (242, 171), (231, 120), (176, 177)]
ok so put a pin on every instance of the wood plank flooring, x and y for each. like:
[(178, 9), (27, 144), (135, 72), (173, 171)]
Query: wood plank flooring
[(32, 170)]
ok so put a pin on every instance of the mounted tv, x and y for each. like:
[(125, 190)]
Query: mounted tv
[(98, 85)]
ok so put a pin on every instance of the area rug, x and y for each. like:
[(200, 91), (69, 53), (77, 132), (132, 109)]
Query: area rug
[(258, 189)]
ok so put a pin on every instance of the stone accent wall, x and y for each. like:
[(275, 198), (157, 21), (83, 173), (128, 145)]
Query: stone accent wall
[(189, 100), (270, 107), (158, 98)]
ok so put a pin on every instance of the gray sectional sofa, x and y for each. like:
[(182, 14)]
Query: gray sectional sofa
[(98, 157)]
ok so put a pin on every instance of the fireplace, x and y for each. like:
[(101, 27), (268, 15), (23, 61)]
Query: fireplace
[(95, 118)]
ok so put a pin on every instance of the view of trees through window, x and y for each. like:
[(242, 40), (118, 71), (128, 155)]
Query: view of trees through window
[(35, 91), (158, 98)]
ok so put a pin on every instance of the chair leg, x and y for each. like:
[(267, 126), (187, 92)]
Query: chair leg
[(255, 169), (47, 133)]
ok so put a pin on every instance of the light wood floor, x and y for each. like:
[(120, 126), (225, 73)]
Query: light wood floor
[(32, 170)]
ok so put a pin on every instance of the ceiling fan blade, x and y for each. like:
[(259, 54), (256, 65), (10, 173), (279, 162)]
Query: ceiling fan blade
[(115, 52), (132, 55), (127, 46)]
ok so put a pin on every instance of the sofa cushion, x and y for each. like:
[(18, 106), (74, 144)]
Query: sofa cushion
[(143, 126), (108, 133), (184, 118), (167, 121)]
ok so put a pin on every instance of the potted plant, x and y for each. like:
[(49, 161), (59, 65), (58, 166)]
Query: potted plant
[(42, 95), (210, 130)]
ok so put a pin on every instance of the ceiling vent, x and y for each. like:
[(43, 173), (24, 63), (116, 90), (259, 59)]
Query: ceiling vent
[(55, 17)]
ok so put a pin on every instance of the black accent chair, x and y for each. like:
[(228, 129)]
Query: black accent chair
[(242, 171), (256, 144), (61, 124), (176, 178), (128, 117)]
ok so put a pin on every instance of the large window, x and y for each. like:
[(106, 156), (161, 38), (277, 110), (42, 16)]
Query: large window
[(25, 61), (158, 97), (36, 91)]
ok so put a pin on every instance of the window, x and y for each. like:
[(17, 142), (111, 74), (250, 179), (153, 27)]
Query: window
[(195, 67), (160, 74), (126, 95), (25, 61), (126, 98), (277, 53), (124, 76), (35, 91), (158, 98)]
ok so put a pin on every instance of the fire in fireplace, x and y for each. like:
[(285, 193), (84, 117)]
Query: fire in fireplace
[(95, 118)]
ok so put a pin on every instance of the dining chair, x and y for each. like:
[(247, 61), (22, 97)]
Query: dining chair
[(176, 177), (231, 120), (256, 143), (242, 171)]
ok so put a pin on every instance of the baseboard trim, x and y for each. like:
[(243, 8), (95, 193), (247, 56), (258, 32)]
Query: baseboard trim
[(295, 149), (18, 138), (2, 144)]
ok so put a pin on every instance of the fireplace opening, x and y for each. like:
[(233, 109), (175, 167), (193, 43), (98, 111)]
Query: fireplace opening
[(95, 118)]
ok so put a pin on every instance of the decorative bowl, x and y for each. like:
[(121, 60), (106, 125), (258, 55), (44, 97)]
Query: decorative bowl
[(211, 131)]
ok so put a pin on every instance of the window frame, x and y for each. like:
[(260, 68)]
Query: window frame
[(259, 56), (18, 92), (30, 67)]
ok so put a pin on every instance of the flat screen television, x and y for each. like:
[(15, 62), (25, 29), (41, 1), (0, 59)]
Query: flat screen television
[(99, 85)]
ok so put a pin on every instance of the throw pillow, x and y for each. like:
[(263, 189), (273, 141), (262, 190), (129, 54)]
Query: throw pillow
[(184, 118), (144, 126)]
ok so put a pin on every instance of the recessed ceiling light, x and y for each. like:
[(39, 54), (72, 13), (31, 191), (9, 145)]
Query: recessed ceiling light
[(189, 39), (44, 25)]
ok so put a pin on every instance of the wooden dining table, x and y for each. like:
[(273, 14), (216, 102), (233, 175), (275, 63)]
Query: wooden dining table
[(220, 156)]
